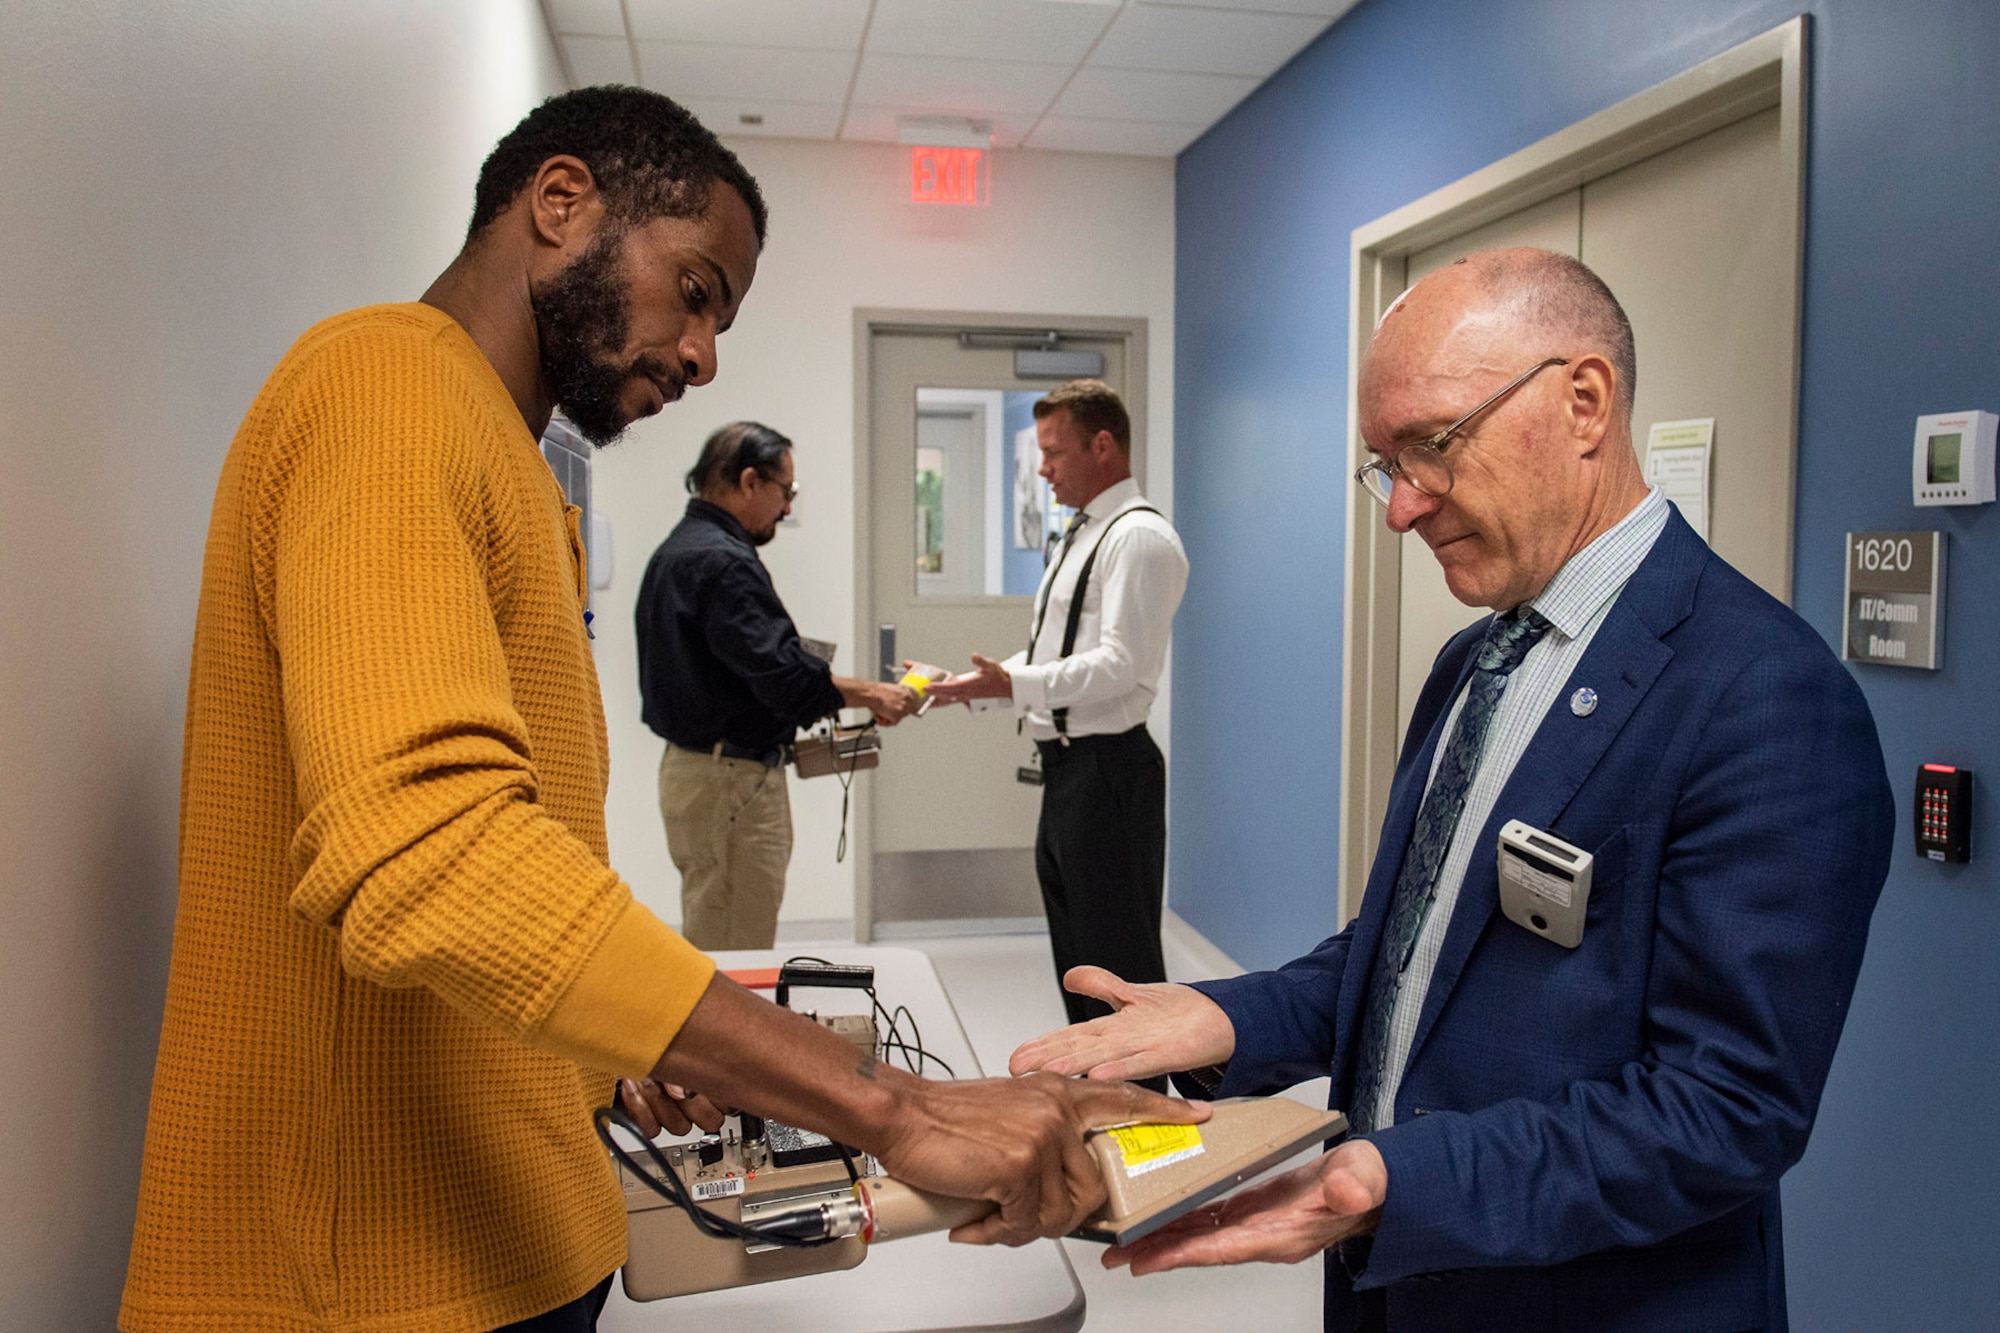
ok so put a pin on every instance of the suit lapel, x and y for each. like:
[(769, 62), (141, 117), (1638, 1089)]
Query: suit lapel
[(1625, 657)]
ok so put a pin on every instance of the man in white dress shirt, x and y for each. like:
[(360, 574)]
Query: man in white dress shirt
[(1082, 690)]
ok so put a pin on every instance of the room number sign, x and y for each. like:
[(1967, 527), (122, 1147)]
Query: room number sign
[(1895, 599)]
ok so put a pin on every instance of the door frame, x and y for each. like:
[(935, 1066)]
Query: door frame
[(1768, 70), (869, 321)]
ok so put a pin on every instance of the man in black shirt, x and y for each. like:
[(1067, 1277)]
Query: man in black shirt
[(726, 683)]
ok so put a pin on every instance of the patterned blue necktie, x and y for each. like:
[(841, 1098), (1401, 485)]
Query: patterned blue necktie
[(1508, 640)]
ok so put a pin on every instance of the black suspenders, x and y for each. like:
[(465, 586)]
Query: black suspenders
[(1061, 715)]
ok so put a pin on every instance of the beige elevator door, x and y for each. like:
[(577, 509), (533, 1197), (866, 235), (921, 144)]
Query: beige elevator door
[(1693, 244), (953, 833)]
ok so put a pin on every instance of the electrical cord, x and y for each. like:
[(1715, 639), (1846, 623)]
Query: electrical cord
[(915, 1058), (893, 1039), (667, 1183), (847, 778), (674, 1190)]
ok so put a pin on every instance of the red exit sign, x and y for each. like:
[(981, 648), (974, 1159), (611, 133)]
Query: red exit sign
[(948, 175)]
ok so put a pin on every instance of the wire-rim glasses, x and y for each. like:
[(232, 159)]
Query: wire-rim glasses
[(1423, 464)]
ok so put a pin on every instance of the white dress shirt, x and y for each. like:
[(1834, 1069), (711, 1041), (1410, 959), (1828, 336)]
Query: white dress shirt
[(1575, 603), (1111, 676)]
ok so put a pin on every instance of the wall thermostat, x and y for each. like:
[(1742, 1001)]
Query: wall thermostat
[(1952, 460)]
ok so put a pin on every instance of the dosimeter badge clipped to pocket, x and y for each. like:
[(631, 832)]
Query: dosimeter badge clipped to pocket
[(1544, 883)]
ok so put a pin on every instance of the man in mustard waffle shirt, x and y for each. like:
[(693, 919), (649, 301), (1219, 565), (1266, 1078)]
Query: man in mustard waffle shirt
[(403, 970)]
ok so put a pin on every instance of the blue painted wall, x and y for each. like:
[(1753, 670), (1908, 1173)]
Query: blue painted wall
[(1892, 1221)]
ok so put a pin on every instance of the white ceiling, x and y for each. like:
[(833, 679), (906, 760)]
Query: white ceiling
[(1096, 76)]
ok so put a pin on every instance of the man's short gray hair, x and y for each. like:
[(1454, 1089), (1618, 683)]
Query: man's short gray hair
[(1561, 298)]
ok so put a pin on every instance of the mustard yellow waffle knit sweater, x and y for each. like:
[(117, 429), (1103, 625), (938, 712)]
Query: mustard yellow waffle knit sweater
[(398, 951)]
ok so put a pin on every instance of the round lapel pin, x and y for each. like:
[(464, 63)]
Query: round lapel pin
[(1584, 702)]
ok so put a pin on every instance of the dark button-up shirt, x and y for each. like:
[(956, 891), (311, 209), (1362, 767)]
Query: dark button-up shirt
[(719, 659)]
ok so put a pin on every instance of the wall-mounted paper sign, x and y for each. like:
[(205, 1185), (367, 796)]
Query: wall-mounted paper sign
[(1895, 599), (1677, 456)]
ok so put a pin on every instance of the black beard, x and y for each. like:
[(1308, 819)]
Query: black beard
[(581, 314)]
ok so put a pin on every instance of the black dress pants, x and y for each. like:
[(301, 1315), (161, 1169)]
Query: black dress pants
[(1101, 856)]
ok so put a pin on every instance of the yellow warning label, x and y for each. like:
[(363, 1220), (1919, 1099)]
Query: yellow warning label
[(1150, 1147)]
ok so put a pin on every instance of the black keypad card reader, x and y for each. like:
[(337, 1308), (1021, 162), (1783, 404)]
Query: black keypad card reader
[(1943, 812)]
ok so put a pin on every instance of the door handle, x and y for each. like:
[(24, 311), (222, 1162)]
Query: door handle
[(892, 666)]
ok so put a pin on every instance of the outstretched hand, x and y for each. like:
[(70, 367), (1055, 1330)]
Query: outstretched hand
[(1282, 1221), (987, 680), (1158, 1028), (889, 701)]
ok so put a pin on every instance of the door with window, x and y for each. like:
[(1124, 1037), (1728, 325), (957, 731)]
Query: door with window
[(952, 537)]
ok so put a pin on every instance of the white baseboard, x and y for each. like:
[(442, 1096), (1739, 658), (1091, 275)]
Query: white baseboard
[(1212, 960), (970, 925)]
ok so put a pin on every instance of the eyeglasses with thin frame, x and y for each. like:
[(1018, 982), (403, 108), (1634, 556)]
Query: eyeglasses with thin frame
[(1423, 463), (790, 488)]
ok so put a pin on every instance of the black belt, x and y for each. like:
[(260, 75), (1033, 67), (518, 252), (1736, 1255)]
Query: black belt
[(1053, 749), (769, 757)]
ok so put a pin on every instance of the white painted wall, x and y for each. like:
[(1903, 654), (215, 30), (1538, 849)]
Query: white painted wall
[(191, 183), (1065, 234)]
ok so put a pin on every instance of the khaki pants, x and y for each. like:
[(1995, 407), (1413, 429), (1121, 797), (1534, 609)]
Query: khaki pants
[(729, 831)]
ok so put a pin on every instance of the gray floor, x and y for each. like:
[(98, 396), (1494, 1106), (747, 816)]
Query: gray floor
[(1005, 992)]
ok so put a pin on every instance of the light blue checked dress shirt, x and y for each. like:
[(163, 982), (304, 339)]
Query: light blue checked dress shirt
[(1575, 604)]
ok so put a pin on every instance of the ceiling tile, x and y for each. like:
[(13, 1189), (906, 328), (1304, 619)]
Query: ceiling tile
[(598, 18), (877, 124), (870, 124), (780, 120), (1136, 94), (1326, 9), (1212, 41), (747, 73), (1028, 31), (944, 84), (598, 60), (822, 25), (1071, 134)]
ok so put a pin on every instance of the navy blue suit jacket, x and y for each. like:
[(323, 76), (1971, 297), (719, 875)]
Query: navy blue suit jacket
[(1591, 1139)]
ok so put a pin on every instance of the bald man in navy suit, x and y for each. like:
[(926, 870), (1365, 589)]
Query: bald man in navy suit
[(1550, 1137)]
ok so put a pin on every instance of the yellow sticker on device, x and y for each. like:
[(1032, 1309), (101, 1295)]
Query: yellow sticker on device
[(1150, 1147)]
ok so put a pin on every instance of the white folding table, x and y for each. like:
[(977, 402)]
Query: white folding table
[(924, 1284)]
